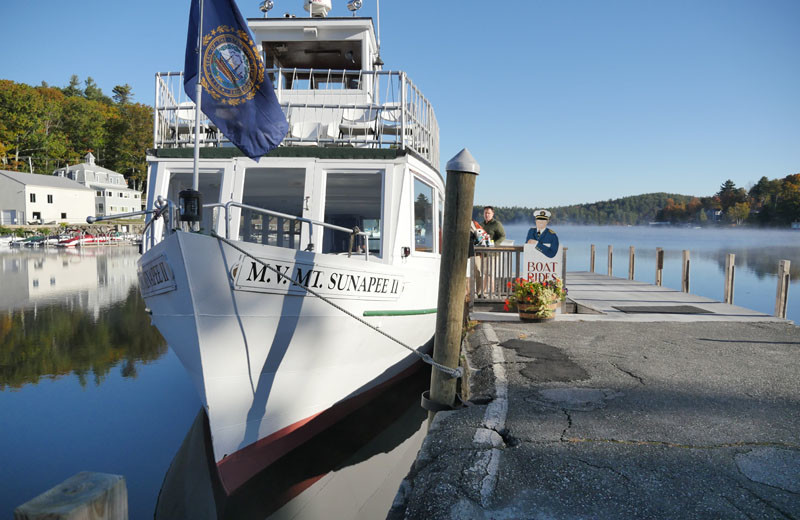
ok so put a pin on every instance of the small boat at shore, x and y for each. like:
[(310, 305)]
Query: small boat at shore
[(284, 311)]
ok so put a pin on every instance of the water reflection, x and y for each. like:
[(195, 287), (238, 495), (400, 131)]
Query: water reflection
[(761, 261), (72, 312), (352, 470)]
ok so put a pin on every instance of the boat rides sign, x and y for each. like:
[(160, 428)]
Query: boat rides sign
[(292, 278), (538, 266)]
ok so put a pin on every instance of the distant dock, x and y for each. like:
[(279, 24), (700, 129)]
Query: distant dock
[(639, 402)]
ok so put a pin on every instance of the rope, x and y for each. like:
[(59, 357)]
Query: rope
[(452, 372)]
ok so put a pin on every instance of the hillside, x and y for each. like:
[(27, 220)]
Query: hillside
[(637, 209)]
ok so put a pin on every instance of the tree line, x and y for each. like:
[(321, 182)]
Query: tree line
[(773, 202), (44, 128)]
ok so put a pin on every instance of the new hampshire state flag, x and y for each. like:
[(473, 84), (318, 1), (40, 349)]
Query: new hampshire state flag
[(237, 96)]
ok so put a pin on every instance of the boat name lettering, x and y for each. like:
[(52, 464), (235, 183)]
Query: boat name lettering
[(156, 277), (265, 276)]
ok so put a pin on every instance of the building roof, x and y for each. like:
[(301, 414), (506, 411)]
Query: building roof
[(50, 181)]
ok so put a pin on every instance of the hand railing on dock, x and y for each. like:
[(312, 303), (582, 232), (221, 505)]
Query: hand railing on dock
[(490, 271)]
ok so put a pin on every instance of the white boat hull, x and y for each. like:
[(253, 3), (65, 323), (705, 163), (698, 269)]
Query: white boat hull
[(272, 363)]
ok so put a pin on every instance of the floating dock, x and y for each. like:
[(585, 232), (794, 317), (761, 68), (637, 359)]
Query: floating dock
[(643, 402)]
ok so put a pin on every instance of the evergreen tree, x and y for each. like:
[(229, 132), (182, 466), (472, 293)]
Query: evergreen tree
[(122, 94)]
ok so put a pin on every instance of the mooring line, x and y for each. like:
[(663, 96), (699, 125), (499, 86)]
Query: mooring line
[(452, 372)]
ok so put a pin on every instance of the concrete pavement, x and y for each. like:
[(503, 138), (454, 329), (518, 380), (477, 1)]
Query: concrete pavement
[(618, 419)]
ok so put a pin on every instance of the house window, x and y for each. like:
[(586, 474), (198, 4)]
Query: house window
[(120, 195), (63, 215), (100, 207), (99, 193), (108, 193), (33, 197), (423, 216), (49, 199)]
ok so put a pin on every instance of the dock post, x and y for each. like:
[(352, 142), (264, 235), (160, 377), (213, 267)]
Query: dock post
[(591, 260), (659, 266), (685, 272), (730, 268), (564, 266), (462, 170), (782, 296), (610, 260), (85, 495), (631, 260)]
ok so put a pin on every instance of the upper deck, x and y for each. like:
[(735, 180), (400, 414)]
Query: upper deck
[(329, 81)]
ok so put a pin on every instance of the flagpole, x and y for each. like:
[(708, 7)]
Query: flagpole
[(198, 96)]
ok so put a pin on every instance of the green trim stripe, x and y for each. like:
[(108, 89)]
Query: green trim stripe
[(412, 312)]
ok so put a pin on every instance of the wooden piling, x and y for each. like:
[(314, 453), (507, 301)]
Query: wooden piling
[(591, 260), (659, 266), (85, 496), (610, 260), (730, 269), (631, 260), (782, 296), (462, 171), (564, 265), (685, 272)]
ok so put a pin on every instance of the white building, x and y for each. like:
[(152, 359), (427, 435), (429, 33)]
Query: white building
[(29, 198), (112, 194)]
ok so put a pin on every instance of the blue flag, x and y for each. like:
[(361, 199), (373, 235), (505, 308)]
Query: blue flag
[(237, 96)]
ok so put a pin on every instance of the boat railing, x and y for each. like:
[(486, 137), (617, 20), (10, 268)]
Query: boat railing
[(285, 226), (347, 108)]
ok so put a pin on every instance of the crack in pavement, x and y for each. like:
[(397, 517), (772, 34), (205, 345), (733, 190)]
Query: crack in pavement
[(609, 468), (569, 424), (641, 381), (665, 444), (733, 504), (767, 503)]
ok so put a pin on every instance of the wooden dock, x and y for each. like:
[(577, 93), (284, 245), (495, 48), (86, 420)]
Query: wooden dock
[(597, 297)]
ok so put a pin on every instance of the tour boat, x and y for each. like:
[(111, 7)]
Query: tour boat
[(277, 302)]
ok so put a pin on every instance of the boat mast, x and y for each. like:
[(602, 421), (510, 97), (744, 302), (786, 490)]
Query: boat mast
[(198, 96)]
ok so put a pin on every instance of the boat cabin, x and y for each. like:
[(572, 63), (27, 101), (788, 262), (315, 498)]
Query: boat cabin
[(362, 149)]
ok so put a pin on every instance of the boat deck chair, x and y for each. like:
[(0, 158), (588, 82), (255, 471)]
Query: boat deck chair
[(358, 122), (308, 133)]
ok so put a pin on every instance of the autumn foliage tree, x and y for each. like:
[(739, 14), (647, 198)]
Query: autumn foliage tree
[(43, 128)]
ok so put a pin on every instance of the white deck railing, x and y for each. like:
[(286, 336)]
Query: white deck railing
[(364, 109)]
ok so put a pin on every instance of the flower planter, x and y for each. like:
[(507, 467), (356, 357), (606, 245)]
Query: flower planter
[(532, 313)]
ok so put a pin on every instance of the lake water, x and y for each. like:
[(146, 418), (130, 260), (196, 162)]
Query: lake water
[(87, 384), (757, 251)]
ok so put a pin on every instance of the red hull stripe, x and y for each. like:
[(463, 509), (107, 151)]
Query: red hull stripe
[(238, 468)]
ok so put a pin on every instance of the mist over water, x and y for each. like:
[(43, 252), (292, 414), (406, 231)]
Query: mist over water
[(758, 252)]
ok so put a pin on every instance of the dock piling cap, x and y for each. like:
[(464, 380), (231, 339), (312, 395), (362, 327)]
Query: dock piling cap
[(463, 162)]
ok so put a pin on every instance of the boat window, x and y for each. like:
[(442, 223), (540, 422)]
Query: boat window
[(275, 189), (208, 185), (353, 199), (423, 216)]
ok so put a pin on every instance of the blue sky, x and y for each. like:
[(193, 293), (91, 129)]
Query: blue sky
[(560, 101)]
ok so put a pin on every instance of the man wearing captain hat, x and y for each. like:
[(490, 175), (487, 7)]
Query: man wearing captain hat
[(546, 241)]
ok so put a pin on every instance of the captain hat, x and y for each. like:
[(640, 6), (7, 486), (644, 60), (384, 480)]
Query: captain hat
[(541, 214)]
